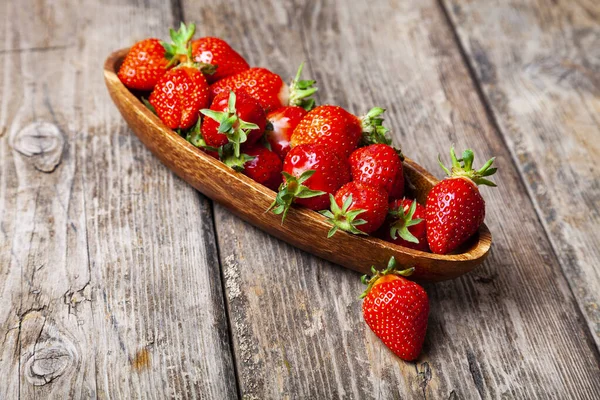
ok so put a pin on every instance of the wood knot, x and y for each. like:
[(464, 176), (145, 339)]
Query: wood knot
[(48, 361), (48, 350), (42, 142), (47, 364)]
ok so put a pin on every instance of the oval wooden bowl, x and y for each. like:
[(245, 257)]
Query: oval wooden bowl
[(303, 228)]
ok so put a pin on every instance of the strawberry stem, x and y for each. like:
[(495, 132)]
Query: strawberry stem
[(463, 167), (343, 219), (373, 129), (237, 163), (390, 270), (404, 221), (301, 90), (180, 45), (291, 189)]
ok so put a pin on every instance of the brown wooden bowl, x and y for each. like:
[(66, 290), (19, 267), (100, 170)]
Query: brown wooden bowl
[(303, 228)]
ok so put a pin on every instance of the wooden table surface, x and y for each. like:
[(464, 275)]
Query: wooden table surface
[(118, 280)]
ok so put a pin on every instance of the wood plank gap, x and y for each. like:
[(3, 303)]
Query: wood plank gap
[(179, 16), (238, 384), (494, 122)]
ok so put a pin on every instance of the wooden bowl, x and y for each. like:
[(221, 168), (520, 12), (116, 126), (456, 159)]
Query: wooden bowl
[(303, 228)]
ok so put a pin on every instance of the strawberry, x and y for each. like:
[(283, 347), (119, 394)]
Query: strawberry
[(281, 125), (265, 167), (378, 165), (455, 208), (268, 88), (336, 128), (147, 61), (144, 65), (215, 51), (356, 199), (179, 95), (233, 118), (396, 310), (406, 225), (310, 172), (182, 91)]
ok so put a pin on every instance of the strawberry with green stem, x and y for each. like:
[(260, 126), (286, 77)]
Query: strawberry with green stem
[(182, 91), (353, 200), (148, 60), (406, 225), (232, 120), (396, 310), (310, 172), (336, 128), (268, 88), (455, 209)]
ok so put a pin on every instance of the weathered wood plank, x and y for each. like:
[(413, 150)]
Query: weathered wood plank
[(509, 329), (110, 282), (539, 67)]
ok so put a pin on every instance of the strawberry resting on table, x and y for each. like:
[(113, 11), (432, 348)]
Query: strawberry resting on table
[(320, 157)]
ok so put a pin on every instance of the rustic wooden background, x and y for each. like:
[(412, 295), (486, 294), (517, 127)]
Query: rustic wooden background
[(118, 280)]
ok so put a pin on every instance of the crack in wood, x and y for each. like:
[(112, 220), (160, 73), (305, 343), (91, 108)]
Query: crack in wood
[(42, 49), (476, 373)]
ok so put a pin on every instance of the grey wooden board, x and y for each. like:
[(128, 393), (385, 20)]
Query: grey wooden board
[(539, 67), (510, 329), (109, 275)]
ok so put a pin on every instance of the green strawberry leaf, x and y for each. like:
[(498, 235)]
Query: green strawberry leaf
[(343, 218), (291, 189)]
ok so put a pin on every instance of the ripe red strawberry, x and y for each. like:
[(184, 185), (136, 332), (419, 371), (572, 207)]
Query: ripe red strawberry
[(378, 165), (406, 225), (215, 51), (310, 172), (144, 65), (282, 124), (265, 167), (396, 310), (355, 199), (179, 95), (147, 61), (234, 118), (455, 208), (268, 88), (336, 128), (182, 91)]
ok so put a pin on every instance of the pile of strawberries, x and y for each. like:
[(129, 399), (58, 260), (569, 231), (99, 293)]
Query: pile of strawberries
[(323, 158)]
